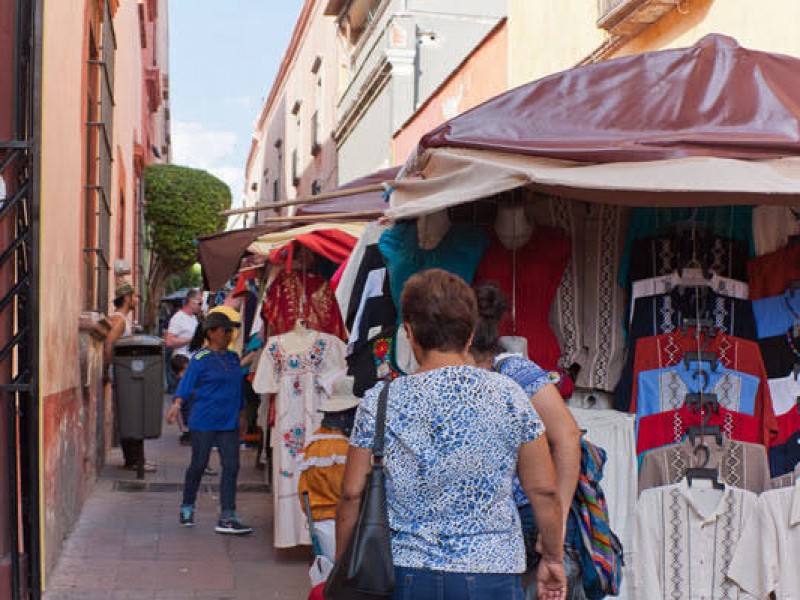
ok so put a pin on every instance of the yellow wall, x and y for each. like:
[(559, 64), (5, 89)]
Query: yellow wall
[(61, 194), (548, 36), (772, 26)]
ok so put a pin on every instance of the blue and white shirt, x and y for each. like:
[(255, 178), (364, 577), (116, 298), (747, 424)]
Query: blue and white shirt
[(531, 378), (662, 390), (452, 442)]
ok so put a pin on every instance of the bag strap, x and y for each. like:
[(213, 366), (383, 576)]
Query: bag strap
[(380, 426)]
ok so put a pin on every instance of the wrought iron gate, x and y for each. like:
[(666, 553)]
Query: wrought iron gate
[(19, 300)]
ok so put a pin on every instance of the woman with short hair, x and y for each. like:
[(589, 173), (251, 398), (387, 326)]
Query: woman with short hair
[(455, 436)]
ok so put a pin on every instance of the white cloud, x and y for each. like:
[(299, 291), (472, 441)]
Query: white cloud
[(214, 151)]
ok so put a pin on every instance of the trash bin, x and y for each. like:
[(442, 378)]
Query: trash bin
[(139, 386)]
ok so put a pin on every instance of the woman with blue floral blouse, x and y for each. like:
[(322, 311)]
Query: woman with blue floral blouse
[(455, 436)]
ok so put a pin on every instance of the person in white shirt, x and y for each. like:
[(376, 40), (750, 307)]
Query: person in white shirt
[(183, 324)]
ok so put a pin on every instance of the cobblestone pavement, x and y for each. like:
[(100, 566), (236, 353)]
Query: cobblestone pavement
[(128, 544)]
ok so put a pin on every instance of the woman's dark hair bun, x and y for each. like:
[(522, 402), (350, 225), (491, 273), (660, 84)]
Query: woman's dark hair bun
[(492, 304)]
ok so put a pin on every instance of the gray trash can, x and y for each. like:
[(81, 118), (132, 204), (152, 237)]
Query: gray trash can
[(139, 386)]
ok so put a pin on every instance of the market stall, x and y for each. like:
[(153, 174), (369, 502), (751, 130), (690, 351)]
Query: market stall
[(645, 243)]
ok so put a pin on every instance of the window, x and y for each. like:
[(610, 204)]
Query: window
[(99, 127), (295, 168)]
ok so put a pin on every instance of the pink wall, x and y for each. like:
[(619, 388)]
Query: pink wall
[(483, 75)]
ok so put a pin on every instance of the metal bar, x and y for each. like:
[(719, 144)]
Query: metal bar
[(307, 200), (14, 145), (11, 388), (13, 292), (15, 200), (106, 139), (18, 241), (8, 348), (12, 156)]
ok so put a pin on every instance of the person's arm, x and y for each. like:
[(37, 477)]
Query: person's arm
[(538, 478), (173, 341), (563, 436), (185, 388), (356, 469), (114, 333)]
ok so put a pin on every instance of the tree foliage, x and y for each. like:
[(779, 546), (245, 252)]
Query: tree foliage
[(181, 204)]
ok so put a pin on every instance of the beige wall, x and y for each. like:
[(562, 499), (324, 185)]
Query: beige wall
[(548, 36), (772, 26)]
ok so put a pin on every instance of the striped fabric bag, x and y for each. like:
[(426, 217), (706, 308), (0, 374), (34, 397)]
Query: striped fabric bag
[(600, 550)]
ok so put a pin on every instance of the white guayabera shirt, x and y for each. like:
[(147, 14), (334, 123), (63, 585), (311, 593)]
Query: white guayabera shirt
[(767, 558), (686, 538)]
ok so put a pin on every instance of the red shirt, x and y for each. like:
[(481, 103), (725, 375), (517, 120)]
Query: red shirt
[(770, 274), (737, 354), (540, 265), (669, 427)]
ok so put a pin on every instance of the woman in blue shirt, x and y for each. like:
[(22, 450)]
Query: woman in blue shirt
[(455, 436), (213, 380)]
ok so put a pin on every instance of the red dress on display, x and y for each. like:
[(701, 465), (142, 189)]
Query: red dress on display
[(540, 265), (295, 294)]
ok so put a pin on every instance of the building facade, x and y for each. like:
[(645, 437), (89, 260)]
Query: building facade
[(87, 105), (293, 153)]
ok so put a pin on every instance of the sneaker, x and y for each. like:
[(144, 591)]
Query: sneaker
[(232, 525), (187, 516), (210, 472)]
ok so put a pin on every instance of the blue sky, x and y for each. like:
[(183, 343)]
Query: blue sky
[(223, 59)]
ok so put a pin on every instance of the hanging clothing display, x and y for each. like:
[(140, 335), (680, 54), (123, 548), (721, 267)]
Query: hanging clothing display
[(660, 390), (657, 256), (539, 267), (741, 464), (733, 222), (655, 286), (295, 366), (365, 258), (613, 431), (297, 295), (669, 427), (459, 252), (686, 538), (373, 362), (736, 354), (771, 274), (773, 227), (765, 560), (665, 313), (776, 315), (589, 304)]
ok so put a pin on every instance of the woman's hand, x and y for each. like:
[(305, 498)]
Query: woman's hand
[(172, 413), (551, 582)]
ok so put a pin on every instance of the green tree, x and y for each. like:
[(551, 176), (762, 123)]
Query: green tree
[(181, 204)]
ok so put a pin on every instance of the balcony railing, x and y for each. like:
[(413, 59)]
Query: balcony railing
[(629, 17)]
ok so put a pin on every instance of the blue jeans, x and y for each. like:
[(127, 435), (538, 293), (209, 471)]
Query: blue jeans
[(421, 584), (228, 444)]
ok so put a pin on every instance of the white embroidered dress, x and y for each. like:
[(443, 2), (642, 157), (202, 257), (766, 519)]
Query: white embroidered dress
[(298, 378)]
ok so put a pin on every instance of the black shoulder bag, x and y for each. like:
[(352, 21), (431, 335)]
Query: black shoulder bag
[(365, 571)]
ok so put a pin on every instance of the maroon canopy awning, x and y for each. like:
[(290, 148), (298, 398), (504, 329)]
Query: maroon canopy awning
[(712, 99), (363, 202), (220, 253)]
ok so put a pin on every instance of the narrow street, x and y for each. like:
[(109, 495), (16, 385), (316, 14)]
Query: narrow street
[(128, 544)]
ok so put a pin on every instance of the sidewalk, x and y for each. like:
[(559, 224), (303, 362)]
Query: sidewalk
[(128, 544)]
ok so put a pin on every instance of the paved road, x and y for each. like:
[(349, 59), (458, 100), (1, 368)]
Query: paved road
[(127, 543)]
